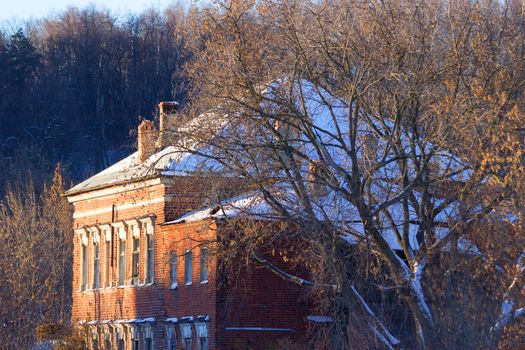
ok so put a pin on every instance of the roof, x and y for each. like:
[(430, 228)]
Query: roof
[(328, 208), (170, 161), (328, 118)]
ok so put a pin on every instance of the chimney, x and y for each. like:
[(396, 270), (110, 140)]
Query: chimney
[(167, 121), (147, 136)]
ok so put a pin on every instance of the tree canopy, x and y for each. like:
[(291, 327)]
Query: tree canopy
[(388, 132)]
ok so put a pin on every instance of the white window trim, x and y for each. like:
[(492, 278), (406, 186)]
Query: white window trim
[(150, 225), (106, 231), (119, 332)]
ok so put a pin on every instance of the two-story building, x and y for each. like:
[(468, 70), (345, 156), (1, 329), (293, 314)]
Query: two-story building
[(145, 272)]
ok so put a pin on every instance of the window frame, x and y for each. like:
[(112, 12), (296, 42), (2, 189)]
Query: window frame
[(148, 333), (188, 268), (149, 260), (135, 341), (135, 259), (95, 344), (96, 264), (107, 341), (173, 270), (121, 338), (201, 333), (83, 262), (107, 237), (185, 329), (171, 337), (122, 262), (204, 258)]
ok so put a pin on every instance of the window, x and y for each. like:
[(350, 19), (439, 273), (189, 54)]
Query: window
[(96, 265), (150, 245), (204, 265), (171, 337), (84, 259), (188, 266), (94, 339), (148, 344), (107, 261), (202, 335), (187, 343), (107, 342), (134, 338), (173, 270), (121, 342), (135, 260), (203, 343), (122, 262), (185, 329), (148, 337)]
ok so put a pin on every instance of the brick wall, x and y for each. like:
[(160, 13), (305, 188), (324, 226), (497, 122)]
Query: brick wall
[(264, 300)]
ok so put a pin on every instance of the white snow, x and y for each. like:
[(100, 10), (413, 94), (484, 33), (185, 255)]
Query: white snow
[(186, 319), (320, 319), (259, 329)]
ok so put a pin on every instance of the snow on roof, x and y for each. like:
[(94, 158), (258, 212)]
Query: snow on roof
[(254, 206), (320, 319), (328, 117), (202, 318), (170, 161), (259, 329), (251, 204)]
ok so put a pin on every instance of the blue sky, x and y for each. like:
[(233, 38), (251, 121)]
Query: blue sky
[(25, 9)]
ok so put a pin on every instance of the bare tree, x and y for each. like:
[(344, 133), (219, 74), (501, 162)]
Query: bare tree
[(387, 132), (35, 261)]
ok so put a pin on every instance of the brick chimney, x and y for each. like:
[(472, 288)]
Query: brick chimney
[(167, 121), (147, 137)]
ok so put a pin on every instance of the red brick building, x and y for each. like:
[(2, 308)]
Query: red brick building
[(145, 276)]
